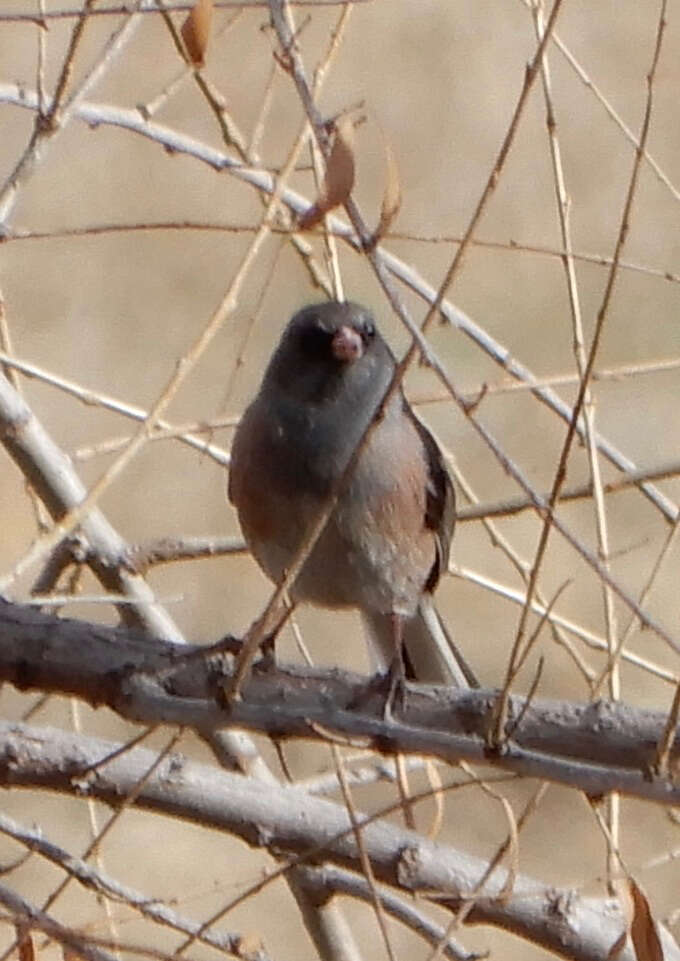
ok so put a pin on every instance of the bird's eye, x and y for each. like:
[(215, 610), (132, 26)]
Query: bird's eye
[(369, 330), (314, 341)]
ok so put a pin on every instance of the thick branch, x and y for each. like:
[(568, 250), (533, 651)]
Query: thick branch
[(52, 476), (596, 747), (314, 829)]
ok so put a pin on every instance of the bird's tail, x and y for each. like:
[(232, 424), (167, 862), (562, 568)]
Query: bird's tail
[(431, 656)]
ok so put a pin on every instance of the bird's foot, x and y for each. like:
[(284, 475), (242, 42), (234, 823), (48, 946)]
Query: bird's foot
[(395, 698), (387, 684), (267, 659)]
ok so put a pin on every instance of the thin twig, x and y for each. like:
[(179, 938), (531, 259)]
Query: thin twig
[(21, 234), (384, 262), (561, 470), (498, 540), (66, 524), (54, 117), (664, 553), (590, 84), (99, 882), (363, 856), (94, 398), (589, 638), (599, 260), (496, 170), (515, 505), (665, 745), (563, 209), (126, 803), (380, 264)]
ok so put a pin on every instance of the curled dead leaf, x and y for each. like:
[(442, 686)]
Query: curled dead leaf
[(643, 931), (640, 924), (339, 178), (196, 31)]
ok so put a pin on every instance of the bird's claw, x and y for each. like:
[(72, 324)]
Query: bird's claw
[(396, 690)]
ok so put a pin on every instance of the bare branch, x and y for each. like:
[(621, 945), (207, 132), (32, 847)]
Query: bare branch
[(100, 114), (95, 880), (308, 828), (29, 917), (598, 747), (52, 476)]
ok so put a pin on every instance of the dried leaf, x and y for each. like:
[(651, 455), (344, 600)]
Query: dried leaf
[(643, 931), (639, 924), (339, 178), (340, 169), (391, 201), (196, 31)]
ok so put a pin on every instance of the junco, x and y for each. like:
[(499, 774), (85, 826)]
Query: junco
[(387, 541)]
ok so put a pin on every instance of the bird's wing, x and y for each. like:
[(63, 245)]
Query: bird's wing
[(440, 499)]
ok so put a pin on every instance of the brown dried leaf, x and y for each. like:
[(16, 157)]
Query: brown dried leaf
[(639, 924), (339, 178), (340, 168), (643, 931), (391, 201), (196, 31)]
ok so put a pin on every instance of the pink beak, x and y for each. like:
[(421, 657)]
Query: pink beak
[(347, 344)]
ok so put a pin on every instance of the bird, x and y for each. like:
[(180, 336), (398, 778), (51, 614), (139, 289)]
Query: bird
[(387, 541)]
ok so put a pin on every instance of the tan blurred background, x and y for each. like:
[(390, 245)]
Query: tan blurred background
[(115, 311)]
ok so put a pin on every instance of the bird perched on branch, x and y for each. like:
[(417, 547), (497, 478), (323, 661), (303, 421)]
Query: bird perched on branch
[(387, 540)]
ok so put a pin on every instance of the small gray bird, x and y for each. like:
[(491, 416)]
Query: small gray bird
[(387, 541)]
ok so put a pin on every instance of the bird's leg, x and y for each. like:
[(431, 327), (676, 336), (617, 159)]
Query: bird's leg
[(396, 694), (267, 661)]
